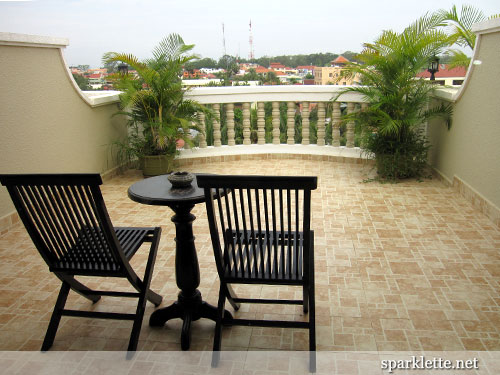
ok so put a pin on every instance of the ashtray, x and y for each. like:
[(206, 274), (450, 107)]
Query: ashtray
[(180, 179)]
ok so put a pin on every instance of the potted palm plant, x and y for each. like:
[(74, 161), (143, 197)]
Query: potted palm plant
[(154, 102), (398, 102)]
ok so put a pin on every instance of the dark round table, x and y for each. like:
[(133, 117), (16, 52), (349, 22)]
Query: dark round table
[(189, 306)]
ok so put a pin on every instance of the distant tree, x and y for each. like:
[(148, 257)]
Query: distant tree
[(309, 76), (271, 78), (111, 66), (201, 63), (83, 68), (225, 78), (82, 82), (251, 75), (229, 63), (351, 56)]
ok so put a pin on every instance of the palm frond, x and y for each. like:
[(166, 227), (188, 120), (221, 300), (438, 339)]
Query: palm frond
[(458, 59), (461, 24), (443, 111)]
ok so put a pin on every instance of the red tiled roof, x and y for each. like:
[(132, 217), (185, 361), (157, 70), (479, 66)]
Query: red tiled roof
[(444, 72), (308, 67), (278, 73), (95, 76), (261, 69), (277, 65), (340, 60)]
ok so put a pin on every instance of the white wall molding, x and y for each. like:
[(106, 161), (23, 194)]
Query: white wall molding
[(25, 40)]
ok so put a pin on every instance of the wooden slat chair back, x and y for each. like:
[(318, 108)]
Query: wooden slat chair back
[(67, 220), (261, 234)]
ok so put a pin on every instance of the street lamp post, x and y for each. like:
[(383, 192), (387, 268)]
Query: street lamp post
[(433, 67)]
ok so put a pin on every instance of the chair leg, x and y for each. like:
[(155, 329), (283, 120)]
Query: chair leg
[(136, 328), (305, 298), (145, 293), (218, 325), (56, 317), (78, 287), (231, 295)]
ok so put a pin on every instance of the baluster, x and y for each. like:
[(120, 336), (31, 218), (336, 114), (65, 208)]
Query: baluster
[(276, 123), (230, 124), (305, 123), (203, 137), (246, 123), (217, 134), (350, 127), (188, 136), (290, 123), (261, 124), (336, 124), (321, 124)]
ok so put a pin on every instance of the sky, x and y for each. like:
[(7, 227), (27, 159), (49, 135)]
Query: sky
[(279, 27)]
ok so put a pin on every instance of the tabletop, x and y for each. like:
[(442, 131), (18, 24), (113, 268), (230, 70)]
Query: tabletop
[(158, 191)]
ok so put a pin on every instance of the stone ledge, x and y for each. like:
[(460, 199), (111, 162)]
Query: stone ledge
[(180, 162), (98, 98), (271, 149)]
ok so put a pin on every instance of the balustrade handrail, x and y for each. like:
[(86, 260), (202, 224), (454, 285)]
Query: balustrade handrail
[(280, 93)]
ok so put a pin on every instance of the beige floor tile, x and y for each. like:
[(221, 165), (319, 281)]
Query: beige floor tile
[(408, 266)]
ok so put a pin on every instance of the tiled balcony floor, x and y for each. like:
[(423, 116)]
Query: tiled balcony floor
[(408, 266)]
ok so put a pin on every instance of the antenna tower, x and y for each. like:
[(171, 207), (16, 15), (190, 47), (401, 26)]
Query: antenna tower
[(250, 40), (223, 39)]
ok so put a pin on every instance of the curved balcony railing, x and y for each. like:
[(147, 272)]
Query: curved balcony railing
[(275, 119)]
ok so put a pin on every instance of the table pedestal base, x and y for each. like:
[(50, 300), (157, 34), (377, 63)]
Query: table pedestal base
[(188, 309)]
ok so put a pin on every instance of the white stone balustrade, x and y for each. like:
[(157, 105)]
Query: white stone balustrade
[(301, 100)]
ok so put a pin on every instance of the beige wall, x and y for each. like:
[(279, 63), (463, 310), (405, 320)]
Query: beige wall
[(470, 150), (45, 125)]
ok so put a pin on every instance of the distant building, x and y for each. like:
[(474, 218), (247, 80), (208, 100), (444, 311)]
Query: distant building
[(330, 75), (277, 66), (211, 70), (446, 75), (200, 82), (340, 62), (303, 70), (97, 80)]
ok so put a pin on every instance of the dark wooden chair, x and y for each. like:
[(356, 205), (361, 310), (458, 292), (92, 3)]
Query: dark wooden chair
[(260, 230), (67, 220)]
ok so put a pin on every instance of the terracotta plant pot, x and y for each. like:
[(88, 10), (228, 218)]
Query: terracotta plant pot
[(155, 165)]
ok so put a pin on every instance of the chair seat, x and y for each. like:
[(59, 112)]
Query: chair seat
[(271, 258), (87, 254)]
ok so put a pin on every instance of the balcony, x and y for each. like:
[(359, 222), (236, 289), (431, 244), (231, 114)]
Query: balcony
[(400, 267)]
